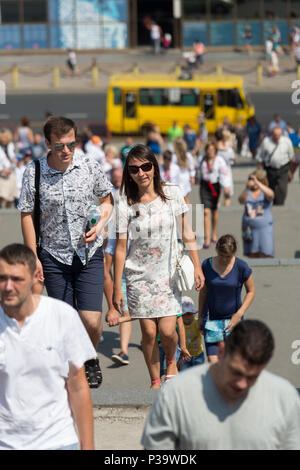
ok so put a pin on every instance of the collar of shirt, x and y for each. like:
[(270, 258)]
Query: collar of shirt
[(76, 163)]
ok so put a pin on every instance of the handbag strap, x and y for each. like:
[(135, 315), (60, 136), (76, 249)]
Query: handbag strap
[(36, 213), (174, 232)]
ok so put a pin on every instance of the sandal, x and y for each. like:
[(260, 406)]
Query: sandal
[(93, 373), (168, 377), (155, 381), (206, 245)]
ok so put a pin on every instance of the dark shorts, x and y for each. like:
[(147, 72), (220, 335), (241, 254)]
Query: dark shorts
[(79, 287), (206, 196)]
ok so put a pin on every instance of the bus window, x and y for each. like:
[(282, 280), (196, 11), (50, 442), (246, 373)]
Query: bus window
[(189, 97), (230, 98), (130, 105), (153, 97), (117, 96), (234, 99)]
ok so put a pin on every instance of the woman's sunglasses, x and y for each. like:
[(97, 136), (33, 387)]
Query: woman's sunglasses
[(60, 147), (145, 167)]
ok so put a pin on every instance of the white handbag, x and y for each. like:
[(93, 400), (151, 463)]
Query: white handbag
[(184, 272)]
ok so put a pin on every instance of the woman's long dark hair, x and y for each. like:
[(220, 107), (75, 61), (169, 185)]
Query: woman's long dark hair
[(129, 187)]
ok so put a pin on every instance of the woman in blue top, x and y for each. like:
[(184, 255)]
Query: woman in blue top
[(220, 298), (257, 223)]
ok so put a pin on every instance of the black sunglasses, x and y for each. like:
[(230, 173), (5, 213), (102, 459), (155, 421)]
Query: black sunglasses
[(60, 147), (134, 169)]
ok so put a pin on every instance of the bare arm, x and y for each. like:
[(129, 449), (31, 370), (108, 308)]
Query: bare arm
[(112, 316), (182, 339), (248, 299), (202, 300), (30, 241), (81, 405), (120, 256)]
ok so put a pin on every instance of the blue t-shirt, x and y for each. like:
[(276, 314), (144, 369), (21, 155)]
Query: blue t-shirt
[(224, 294)]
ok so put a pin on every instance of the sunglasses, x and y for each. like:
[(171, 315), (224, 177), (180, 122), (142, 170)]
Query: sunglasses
[(145, 167), (60, 147)]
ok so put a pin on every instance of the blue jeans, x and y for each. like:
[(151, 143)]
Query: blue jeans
[(194, 361)]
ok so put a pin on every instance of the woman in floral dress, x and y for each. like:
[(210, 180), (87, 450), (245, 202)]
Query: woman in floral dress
[(145, 218)]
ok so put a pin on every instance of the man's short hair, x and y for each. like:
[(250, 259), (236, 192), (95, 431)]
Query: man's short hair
[(16, 253), (59, 126), (253, 340)]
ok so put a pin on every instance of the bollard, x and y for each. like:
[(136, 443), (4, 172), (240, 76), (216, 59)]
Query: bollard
[(259, 73), (95, 76), (298, 71), (219, 70), (135, 68), (56, 77), (15, 76)]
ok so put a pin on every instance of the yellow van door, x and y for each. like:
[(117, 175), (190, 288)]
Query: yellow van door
[(130, 122)]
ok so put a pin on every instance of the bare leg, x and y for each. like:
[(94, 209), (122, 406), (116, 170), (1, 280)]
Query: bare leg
[(215, 220), (125, 333), (169, 339), (212, 359), (150, 348), (93, 324), (207, 225)]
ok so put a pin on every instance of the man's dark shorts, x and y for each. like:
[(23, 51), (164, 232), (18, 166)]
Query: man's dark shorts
[(79, 287)]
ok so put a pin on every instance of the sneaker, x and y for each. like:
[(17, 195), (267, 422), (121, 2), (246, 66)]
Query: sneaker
[(120, 358), (93, 373)]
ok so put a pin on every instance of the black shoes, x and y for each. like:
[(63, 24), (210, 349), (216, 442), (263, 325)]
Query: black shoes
[(93, 373)]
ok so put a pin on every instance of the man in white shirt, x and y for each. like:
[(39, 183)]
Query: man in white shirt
[(43, 347), (276, 155), (233, 404)]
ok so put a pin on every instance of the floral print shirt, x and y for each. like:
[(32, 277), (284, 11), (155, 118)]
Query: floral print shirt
[(64, 201)]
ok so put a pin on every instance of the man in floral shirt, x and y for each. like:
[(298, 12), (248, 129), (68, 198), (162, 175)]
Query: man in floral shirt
[(69, 184)]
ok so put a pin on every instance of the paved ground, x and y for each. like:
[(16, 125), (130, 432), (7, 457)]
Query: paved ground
[(36, 70)]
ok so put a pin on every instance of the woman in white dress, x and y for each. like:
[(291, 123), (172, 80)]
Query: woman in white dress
[(145, 218), (186, 164)]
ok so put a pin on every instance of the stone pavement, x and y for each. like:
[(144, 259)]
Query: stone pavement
[(36, 70)]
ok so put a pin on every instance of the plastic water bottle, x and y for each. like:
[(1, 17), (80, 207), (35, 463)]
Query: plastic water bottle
[(93, 215)]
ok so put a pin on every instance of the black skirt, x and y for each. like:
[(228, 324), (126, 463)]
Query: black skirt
[(209, 194)]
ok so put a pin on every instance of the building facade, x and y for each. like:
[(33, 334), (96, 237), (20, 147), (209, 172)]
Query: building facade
[(121, 24)]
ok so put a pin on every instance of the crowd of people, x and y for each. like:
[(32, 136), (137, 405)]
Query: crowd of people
[(131, 256)]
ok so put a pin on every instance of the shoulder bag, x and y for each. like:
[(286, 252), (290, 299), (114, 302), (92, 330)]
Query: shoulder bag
[(184, 271)]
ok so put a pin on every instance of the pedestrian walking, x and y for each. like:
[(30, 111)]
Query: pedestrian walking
[(220, 303), (155, 35), (45, 401), (254, 135), (146, 217), (234, 404), (169, 171), (70, 258), (257, 222), (185, 162), (8, 184), (72, 61), (214, 175), (276, 155)]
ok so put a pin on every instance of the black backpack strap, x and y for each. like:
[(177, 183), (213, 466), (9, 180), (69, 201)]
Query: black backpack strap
[(36, 213)]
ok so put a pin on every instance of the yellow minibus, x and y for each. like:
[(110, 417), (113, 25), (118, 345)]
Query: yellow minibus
[(134, 101)]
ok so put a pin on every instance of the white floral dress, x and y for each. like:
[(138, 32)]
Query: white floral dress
[(151, 258)]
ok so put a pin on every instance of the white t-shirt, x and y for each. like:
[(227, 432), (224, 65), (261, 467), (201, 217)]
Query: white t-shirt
[(35, 413), (190, 414), (185, 174)]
